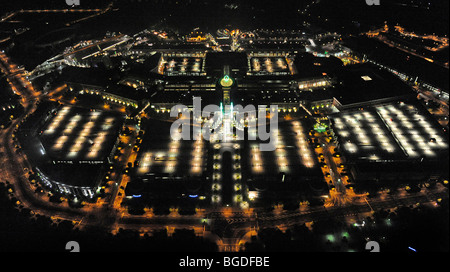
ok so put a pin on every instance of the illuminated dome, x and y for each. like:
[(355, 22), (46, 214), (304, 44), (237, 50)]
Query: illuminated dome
[(226, 81)]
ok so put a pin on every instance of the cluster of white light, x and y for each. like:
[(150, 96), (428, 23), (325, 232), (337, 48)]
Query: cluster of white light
[(368, 132), (107, 124), (97, 145), (82, 138), (281, 153), (59, 144), (237, 174), (197, 155), (216, 177), (76, 147), (322, 83), (252, 132), (67, 131), (183, 66), (256, 158), (269, 65), (269, 62), (256, 64), (56, 122), (171, 65), (145, 163), (302, 145), (281, 63), (412, 130), (196, 66), (171, 160), (87, 128), (73, 123)]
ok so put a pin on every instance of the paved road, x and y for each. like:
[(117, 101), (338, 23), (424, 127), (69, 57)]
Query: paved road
[(240, 222)]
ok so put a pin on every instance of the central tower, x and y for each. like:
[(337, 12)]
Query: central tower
[(226, 82)]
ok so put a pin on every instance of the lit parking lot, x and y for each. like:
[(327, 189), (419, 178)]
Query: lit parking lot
[(363, 135), (160, 154), (292, 153), (303, 147), (394, 130), (416, 132), (76, 134), (175, 66), (269, 65)]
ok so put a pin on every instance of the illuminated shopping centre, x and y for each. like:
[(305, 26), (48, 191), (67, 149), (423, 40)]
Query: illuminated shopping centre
[(218, 125), (121, 105)]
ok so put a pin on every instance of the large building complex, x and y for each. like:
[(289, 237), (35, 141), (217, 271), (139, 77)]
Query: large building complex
[(71, 147), (257, 125)]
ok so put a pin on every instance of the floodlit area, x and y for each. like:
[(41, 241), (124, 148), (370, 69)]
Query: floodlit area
[(416, 132), (179, 66), (225, 165), (269, 65), (302, 144), (391, 131), (256, 159), (292, 153), (281, 154), (77, 134), (160, 154), (197, 156), (362, 134)]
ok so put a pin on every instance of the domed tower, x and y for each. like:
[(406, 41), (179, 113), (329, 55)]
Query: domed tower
[(226, 83)]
